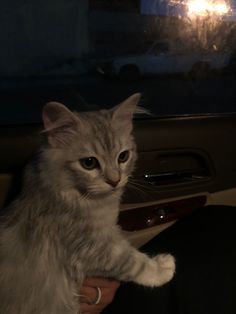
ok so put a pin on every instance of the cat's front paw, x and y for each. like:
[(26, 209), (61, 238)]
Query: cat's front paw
[(166, 267)]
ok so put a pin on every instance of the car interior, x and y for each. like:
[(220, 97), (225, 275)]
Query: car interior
[(67, 52)]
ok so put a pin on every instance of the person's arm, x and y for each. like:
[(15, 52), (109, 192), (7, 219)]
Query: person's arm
[(89, 294)]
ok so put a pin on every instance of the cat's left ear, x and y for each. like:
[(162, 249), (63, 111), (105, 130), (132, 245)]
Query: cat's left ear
[(123, 113), (59, 122)]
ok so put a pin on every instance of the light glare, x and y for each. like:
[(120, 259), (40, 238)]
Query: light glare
[(207, 7)]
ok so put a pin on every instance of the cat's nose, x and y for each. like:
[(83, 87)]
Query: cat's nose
[(113, 182)]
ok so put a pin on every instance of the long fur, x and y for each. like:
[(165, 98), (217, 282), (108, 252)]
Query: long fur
[(62, 227)]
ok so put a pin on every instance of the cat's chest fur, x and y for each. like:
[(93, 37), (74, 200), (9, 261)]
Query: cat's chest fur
[(89, 232), (97, 213), (89, 222)]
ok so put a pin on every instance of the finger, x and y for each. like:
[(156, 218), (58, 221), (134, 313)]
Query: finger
[(88, 294)]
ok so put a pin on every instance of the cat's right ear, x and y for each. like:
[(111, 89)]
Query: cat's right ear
[(59, 123), (123, 113)]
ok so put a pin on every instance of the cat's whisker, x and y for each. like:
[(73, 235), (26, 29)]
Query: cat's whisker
[(94, 189), (138, 189), (143, 187), (85, 196), (141, 184), (123, 182)]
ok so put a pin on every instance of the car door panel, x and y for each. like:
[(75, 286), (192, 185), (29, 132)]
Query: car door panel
[(188, 156)]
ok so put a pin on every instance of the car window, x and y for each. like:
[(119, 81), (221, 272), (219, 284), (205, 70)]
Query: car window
[(92, 54)]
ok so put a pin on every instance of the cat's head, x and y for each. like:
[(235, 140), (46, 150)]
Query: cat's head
[(90, 152)]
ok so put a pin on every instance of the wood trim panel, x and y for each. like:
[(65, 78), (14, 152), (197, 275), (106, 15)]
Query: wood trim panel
[(153, 215)]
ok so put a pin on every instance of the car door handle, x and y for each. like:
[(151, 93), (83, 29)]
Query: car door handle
[(177, 177)]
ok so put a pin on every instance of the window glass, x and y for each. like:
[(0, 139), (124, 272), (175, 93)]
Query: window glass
[(159, 47), (180, 54)]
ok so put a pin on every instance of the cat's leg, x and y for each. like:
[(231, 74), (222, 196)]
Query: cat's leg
[(128, 264)]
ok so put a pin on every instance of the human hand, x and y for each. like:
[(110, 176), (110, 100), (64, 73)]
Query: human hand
[(88, 294)]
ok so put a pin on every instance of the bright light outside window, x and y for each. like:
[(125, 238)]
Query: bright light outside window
[(206, 7)]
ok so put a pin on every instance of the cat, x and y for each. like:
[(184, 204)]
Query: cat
[(63, 225)]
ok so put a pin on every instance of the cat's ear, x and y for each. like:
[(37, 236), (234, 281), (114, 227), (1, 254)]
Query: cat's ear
[(123, 113), (59, 123)]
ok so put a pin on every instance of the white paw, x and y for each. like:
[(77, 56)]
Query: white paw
[(156, 271), (166, 267)]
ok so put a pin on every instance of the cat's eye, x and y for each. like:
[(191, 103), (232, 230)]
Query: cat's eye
[(89, 163), (124, 156)]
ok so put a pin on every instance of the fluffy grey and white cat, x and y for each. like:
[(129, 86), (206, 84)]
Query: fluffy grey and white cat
[(62, 227)]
